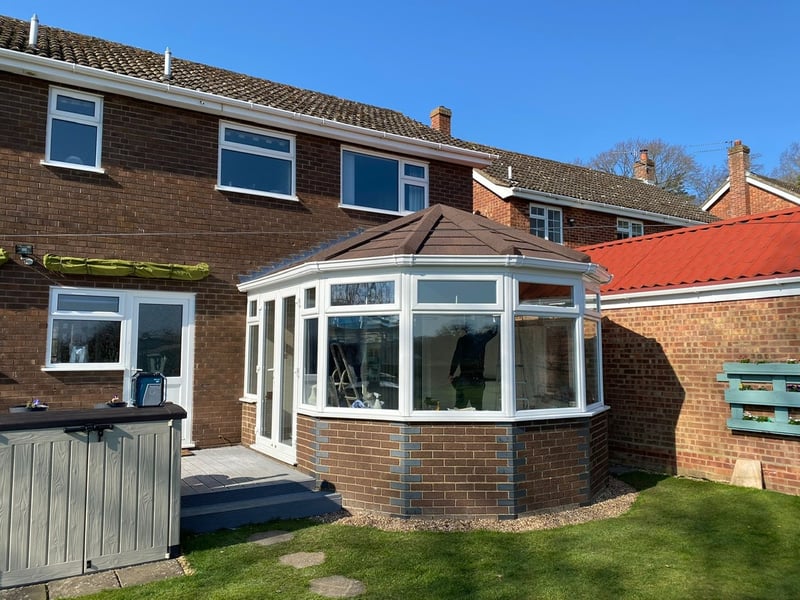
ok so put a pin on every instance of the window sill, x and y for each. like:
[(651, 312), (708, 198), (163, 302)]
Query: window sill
[(245, 191), (379, 211), (72, 167), (85, 367)]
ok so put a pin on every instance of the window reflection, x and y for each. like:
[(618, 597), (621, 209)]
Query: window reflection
[(544, 365), (363, 361), (456, 362)]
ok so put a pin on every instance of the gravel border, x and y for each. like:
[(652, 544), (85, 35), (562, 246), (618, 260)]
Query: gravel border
[(611, 502)]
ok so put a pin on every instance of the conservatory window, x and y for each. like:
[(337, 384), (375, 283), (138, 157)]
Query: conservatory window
[(545, 294), (251, 373), (456, 362), (545, 368), (360, 293), (363, 361), (591, 360), (455, 291)]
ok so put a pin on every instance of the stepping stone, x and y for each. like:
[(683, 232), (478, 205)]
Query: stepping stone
[(29, 592), (747, 473), (337, 586), (298, 560), (154, 571), (267, 538)]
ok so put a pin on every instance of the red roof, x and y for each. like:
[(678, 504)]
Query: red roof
[(758, 246)]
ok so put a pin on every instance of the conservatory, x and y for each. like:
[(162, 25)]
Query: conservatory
[(441, 364)]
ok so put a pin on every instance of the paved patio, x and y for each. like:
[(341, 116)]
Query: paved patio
[(232, 467)]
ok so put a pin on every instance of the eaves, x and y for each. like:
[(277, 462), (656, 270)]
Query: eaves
[(506, 192), (164, 93)]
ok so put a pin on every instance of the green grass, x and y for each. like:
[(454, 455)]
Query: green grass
[(681, 539)]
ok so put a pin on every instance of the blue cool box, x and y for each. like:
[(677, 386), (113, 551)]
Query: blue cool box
[(149, 389)]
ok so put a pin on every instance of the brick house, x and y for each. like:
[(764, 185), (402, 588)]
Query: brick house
[(684, 308), (573, 205), (747, 193), (109, 152)]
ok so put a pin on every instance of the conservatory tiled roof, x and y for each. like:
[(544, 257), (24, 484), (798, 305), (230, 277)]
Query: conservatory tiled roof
[(437, 231), (744, 248)]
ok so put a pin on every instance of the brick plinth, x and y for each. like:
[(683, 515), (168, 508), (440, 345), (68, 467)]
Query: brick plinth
[(488, 470)]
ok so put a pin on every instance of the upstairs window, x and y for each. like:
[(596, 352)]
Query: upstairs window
[(382, 183), (547, 222), (74, 129), (256, 161), (629, 229)]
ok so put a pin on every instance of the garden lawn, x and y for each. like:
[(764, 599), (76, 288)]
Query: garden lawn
[(681, 539)]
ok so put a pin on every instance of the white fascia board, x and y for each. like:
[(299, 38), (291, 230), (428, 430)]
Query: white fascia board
[(170, 95), (716, 196), (463, 264), (729, 292), (773, 190), (506, 192)]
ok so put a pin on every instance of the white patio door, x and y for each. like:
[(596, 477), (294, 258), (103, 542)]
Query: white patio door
[(163, 342), (275, 414)]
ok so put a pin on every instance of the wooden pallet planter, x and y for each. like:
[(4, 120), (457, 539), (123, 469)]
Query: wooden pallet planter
[(774, 386)]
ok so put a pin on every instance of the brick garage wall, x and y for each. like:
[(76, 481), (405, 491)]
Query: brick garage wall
[(155, 202), (668, 411), (491, 470)]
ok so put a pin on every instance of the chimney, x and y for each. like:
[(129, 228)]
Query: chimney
[(644, 169), (738, 168), (440, 119)]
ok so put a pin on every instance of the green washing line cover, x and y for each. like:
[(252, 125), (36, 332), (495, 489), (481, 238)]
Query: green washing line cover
[(113, 267), (3, 257)]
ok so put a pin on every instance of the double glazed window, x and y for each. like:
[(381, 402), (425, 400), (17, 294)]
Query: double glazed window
[(74, 129), (383, 183), (256, 161), (628, 229), (547, 223), (85, 328)]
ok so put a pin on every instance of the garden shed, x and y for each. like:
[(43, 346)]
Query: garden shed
[(440, 364), (701, 338)]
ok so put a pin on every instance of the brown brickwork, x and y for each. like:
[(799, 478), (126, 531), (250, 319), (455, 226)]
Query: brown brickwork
[(668, 410), (155, 202), (590, 227), (492, 470)]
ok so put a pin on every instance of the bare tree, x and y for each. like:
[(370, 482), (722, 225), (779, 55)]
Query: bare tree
[(674, 165), (788, 169), (706, 181)]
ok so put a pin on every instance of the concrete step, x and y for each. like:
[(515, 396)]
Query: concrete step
[(233, 508)]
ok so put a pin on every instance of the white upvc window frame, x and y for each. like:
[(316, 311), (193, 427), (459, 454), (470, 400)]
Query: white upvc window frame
[(551, 234), (252, 337), (290, 157), (403, 179), (628, 228), (121, 315), (96, 121)]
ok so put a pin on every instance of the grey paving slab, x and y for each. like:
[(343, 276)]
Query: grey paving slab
[(28, 592), (146, 573), (267, 538), (337, 586), (73, 587), (300, 560)]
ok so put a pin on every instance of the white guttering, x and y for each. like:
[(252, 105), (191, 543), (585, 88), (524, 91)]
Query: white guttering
[(591, 271), (506, 192), (171, 95), (726, 292)]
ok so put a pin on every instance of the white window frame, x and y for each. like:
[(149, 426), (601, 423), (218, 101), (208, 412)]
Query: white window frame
[(53, 113), (122, 315), (548, 234), (255, 151), (628, 228), (402, 181)]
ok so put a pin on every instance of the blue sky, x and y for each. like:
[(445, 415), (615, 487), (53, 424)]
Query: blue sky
[(559, 80)]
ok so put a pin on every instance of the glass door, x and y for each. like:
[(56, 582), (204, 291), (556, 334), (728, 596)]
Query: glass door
[(275, 422), (162, 343)]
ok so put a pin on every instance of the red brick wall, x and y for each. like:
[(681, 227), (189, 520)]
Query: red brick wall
[(667, 409), (155, 202), (590, 227), (495, 470), (760, 201)]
